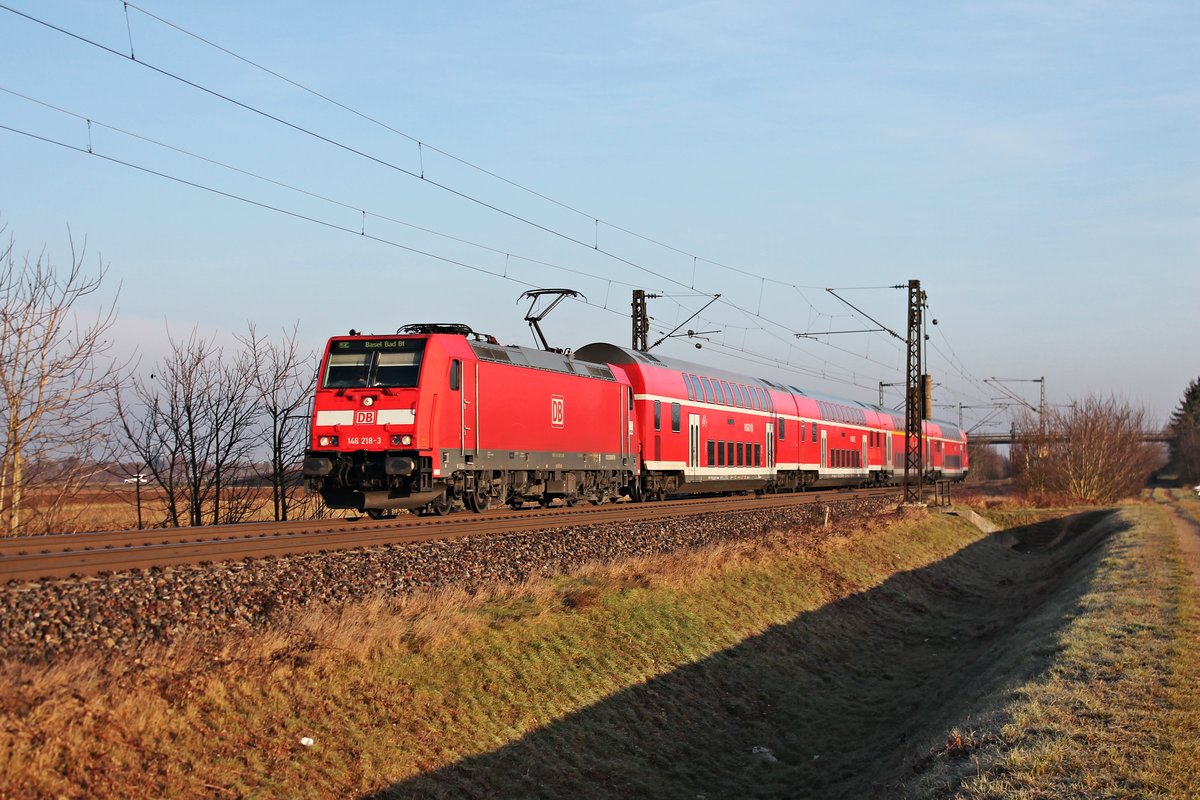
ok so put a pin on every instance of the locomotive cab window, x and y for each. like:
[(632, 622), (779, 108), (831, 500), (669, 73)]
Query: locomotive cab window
[(347, 370), (455, 375), (657, 415), (401, 370), (394, 363)]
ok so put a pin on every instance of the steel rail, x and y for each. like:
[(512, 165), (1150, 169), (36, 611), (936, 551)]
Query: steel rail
[(70, 555)]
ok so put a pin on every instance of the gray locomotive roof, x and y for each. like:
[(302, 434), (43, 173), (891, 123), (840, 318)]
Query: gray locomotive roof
[(541, 359), (612, 354)]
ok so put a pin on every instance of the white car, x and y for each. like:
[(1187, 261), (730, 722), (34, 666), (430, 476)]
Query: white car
[(139, 478)]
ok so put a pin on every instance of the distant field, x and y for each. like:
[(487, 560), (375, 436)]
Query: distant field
[(115, 506), (905, 658)]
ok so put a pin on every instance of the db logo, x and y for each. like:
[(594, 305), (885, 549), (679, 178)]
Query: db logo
[(556, 411), (364, 417)]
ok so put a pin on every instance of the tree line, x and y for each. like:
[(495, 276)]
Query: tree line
[(208, 425)]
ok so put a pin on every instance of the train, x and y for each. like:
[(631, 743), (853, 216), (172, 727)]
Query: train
[(437, 418)]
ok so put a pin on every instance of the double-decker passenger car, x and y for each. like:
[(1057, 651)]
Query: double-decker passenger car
[(706, 430)]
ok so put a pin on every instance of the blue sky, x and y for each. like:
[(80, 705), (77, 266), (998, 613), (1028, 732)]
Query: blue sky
[(1034, 165)]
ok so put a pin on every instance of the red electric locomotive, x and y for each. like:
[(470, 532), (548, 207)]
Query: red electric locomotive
[(437, 417)]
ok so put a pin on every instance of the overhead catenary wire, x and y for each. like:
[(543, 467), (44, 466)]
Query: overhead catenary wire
[(743, 355), (823, 372), (315, 195), (594, 245), (422, 144)]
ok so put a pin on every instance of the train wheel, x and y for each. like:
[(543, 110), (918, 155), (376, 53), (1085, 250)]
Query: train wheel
[(379, 513), (478, 500), (440, 507)]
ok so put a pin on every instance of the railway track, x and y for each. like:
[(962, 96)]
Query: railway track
[(89, 554)]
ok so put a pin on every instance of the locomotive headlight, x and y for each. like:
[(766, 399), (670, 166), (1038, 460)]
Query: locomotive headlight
[(327, 441), (405, 440), (368, 401)]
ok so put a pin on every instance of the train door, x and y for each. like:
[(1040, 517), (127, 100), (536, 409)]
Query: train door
[(469, 411), (866, 460), (693, 444), (887, 442), (627, 424), (824, 449), (770, 446)]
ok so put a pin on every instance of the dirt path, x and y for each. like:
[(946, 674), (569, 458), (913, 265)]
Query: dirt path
[(1189, 541)]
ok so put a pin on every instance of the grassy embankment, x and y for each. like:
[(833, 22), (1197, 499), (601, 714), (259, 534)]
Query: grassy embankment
[(1117, 711), (824, 664)]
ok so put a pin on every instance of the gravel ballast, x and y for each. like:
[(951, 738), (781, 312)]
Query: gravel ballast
[(49, 619)]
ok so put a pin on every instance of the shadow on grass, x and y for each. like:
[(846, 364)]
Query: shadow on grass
[(837, 703)]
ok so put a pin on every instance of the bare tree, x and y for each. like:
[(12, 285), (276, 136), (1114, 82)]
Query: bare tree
[(283, 379), (1093, 452), (191, 423), (987, 463), (1029, 456), (56, 378)]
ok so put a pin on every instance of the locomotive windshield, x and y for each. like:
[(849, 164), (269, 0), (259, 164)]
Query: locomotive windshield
[(392, 363)]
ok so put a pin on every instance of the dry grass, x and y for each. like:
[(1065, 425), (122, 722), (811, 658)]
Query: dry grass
[(395, 688), (1118, 712), (114, 508)]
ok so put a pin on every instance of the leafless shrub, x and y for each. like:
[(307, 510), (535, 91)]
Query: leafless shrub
[(1093, 452)]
